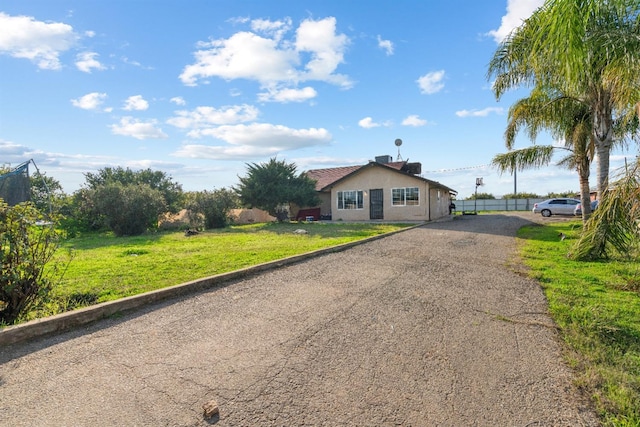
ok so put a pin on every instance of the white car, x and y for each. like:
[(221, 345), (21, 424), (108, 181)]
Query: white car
[(578, 208), (557, 206)]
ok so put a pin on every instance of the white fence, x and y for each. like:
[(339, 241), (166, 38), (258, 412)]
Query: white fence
[(495, 205)]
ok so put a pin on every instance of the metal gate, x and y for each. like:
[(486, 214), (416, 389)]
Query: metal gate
[(375, 204)]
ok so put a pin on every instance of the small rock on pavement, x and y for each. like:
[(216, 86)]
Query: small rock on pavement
[(211, 409)]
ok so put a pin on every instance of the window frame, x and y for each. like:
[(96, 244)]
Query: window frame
[(405, 196), (356, 199)]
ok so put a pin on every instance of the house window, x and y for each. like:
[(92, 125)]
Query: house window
[(409, 196), (353, 199)]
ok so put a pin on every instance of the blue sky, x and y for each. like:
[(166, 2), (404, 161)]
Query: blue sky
[(199, 89)]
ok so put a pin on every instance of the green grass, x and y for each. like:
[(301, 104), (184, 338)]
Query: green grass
[(597, 307), (104, 267)]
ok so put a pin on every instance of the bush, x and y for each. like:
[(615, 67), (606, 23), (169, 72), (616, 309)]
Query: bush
[(129, 210), (214, 206), (27, 243)]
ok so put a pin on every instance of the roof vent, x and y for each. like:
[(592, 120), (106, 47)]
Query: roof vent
[(384, 159)]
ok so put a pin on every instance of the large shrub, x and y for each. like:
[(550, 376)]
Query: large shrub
[(270, 186), (128, 210), (28, 241), (171, 191), (214, 206)]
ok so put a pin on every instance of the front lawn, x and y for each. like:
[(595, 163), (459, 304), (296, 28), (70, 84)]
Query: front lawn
[(104, 267), (597, 307)]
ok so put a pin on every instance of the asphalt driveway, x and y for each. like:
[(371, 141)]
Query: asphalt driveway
[(427, 327)]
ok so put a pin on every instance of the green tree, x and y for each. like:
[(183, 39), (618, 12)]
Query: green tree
[(481, 196), (157, 180), (28, 241), (47, 193), (128, 210), (566, 119), (588, 50), (214, 206), (569, 193), (272, 186), (521, 196)]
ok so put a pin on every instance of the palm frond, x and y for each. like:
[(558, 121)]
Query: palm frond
[(525, 158)]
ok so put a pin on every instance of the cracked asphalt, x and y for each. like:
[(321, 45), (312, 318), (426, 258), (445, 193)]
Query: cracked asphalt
[(428, 327)]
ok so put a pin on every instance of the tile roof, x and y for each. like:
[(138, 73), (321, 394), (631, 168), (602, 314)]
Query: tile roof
[(325, 177), (328, 176)]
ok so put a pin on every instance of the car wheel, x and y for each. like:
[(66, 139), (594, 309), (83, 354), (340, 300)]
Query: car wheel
[(546, 213)]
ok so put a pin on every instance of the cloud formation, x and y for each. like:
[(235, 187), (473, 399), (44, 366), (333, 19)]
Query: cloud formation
[(431, 82), (517, 11), (414, 120), (86, 61), (40, 42), (254, 140), (138, 129), (480, 113), (135, 103), (385, 45), (265, 55), (90, 101), (205, 117)]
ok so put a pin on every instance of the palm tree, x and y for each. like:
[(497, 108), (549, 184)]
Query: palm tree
[(614, 226), (566, 119), (588, 50)]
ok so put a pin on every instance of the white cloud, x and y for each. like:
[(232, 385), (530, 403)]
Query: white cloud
[(368, 123), (479, 113), (276, 29), (40, 42), (136, 102), (90, 101), (178, 100), (13, 153), (271, 59), (517, 11), (431, 82), (327, 50), (243, 56), (385, 45), (207, 117), (254, 140), (138, 129), (86, 61), (414, 120), (288, 95)]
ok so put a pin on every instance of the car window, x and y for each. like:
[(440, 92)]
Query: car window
[(558, 202), (573, 202)]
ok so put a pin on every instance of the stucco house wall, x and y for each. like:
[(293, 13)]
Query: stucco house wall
[(439, 202), (376, 182), (386, 180)]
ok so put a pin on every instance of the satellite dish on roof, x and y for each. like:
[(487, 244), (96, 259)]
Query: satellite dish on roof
[(398, 144)]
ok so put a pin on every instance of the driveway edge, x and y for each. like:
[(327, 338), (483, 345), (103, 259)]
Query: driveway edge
[(68, 320)]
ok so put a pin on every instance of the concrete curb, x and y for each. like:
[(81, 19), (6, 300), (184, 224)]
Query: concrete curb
[(64, 321)]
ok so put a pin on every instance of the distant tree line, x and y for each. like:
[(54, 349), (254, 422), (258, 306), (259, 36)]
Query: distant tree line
[(489, 196)]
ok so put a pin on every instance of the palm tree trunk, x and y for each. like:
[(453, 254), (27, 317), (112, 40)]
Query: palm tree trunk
[(603, 137), (603, 150), (585, 190)]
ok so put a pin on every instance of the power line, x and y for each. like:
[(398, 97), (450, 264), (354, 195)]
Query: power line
[(457, 169)]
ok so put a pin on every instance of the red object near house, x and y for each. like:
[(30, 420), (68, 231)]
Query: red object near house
[(305, 214)]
